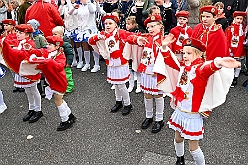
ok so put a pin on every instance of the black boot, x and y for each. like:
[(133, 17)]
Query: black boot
[(146, 123), (36, 116), (157, 126), (29, 115), (235, 82), (127, 109), (180, 161), (118, 105)]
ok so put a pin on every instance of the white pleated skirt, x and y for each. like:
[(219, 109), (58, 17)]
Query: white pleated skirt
[(148, 84), (118, 74), (189, 125), (21, 82)]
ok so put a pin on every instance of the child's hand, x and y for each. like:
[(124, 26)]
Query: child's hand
[(62, 2), (101, 37), (142, 40), (76, 6), (139, 3), (168, 40), (228, 62)]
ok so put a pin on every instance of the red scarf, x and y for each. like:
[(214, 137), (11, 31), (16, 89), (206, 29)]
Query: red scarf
[(195, 62)]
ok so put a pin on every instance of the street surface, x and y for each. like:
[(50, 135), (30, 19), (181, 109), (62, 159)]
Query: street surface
[(101, 137)]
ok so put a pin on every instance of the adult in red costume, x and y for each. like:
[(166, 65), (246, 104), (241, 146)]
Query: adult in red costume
[(211, 34), (47, 14)]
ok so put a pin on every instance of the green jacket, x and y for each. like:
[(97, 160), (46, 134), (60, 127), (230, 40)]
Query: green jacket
[(39, 39), (68, 50)]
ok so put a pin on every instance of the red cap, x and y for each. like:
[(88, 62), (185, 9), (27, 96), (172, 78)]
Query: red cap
[(182, 14), (110, 16), (9, 22), (209, 9), (153, 18), (194, 43), (239, 13), (58, 41), (25, 28)]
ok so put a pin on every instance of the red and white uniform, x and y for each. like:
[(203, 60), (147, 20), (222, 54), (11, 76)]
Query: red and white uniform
[(117, 65), (149, 54), (180, 33), (195, 93), (14, 57), (214, 38), (53, 69), (235, 37)]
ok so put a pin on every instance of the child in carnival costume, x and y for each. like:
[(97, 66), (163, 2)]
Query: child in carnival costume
[(110, 44), (195, 87), (235, 38)]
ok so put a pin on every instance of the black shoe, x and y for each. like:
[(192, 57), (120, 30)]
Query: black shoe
[(245, 83), (180, 161), (72, 118), (146, 123), (21, 90), (157, 126), (29, 115), (16, 90), (43, 95), (36, 116), (118, 105), (235, 82), (64, 125), (127, 109)]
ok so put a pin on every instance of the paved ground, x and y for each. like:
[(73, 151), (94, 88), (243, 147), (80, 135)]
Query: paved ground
[(100, 137)]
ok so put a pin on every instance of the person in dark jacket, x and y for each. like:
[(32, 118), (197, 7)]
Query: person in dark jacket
[(22, 11), (220, 17), (68, 51), (230, 7)]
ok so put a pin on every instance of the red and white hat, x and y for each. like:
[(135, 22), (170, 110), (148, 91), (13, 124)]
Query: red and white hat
[(25, 28), (209, 9), (153, 18), (239, 13), (110, 16), (9, 22), (194, 43), (182, 13), (58, 41)]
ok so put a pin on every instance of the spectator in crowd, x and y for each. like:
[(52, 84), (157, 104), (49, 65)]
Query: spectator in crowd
[(125, 6), (15, 6), (220, 18), (167, 13), (192, 6), (70, 21), (47, 14), (230, 7), (4, 13), (22, 11)]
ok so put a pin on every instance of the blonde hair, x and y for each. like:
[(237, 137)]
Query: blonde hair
[(199, 53), (59, 30)]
